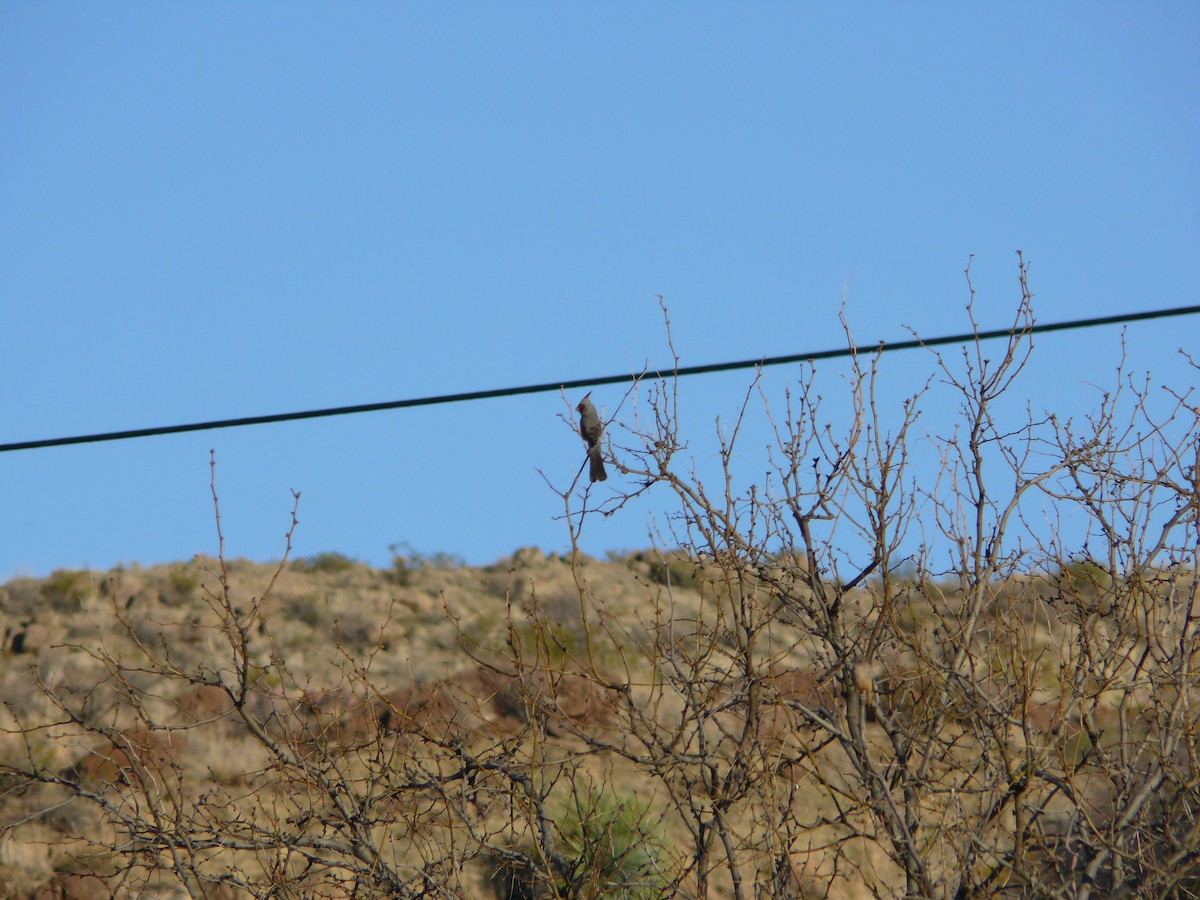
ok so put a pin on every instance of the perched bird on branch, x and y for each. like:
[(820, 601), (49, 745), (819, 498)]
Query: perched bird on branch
[(591, 428)]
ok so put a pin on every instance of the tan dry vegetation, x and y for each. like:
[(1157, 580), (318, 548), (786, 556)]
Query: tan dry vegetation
[(179, 729), (495, 665)]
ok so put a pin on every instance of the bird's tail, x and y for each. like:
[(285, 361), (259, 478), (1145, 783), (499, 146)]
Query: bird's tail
[(597, 465)]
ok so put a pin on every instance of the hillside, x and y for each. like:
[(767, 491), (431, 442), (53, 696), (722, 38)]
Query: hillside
[(340, 635), (647, 726)]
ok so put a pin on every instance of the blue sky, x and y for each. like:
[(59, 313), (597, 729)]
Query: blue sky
[(218, 210)]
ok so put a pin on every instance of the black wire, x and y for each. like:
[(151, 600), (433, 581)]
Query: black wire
[(882, 347)]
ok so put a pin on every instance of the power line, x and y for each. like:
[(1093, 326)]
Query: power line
[(882, 347)]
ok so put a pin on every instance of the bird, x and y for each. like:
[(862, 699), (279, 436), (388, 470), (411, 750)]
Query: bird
[(591, 428)]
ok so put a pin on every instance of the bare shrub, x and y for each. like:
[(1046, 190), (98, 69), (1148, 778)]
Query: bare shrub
[(832, 680)]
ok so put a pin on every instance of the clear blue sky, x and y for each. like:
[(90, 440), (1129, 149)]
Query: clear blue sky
[(213, 210)]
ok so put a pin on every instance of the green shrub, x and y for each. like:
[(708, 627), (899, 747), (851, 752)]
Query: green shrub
[(613, 844), (184, 581), (675, 571), (328, 563), (1084, 573), (611, 847), (406, 560), (309, 609), (65, 589)]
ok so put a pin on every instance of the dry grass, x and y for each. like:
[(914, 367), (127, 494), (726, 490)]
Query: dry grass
[(326, 627), (391, 677)]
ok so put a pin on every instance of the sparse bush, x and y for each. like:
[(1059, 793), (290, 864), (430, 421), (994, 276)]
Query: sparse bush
[(406, 561), (827, 712), (65, 589), (183, 581), (355, 631), (676, 570), (326, 563), (611, 847), (21, 598), (307, 609), (613, 844)]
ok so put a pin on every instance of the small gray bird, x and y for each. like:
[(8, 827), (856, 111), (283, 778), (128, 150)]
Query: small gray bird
[(591, 428)]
